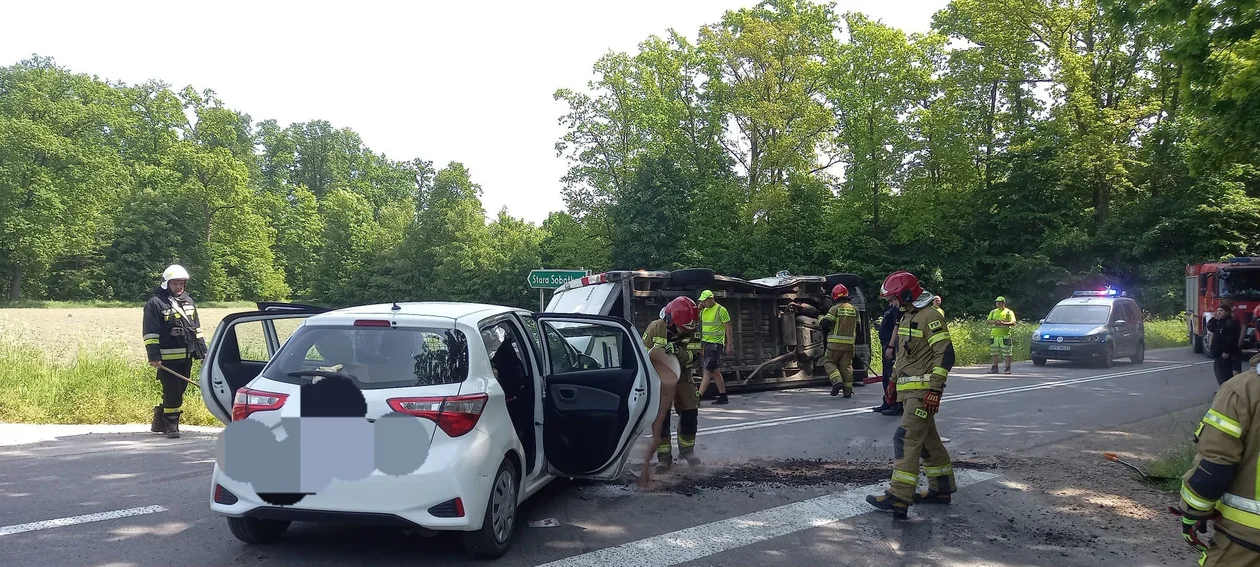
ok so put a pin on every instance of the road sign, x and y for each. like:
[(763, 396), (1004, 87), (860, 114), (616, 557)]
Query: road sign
[(552, 279)]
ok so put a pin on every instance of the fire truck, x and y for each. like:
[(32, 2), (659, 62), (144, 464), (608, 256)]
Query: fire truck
[(1209, 283)]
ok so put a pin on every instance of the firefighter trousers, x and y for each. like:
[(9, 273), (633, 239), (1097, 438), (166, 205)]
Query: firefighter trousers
[(916, 439), (687, 404), (1225, 552), (839, 365), (172, 386)]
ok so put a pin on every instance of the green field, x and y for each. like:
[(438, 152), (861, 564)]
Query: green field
[(106, 380)]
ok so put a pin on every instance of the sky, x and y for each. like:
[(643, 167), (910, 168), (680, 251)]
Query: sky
[(463, 81)]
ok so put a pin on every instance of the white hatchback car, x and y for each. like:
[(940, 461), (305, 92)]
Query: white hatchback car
[(502, 398)]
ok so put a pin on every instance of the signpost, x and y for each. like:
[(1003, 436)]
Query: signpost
[(544, 279)]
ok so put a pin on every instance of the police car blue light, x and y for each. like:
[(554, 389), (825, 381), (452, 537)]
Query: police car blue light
[(1095, 325)]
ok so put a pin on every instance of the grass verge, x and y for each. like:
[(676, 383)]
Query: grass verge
[(1167, 469), (971, 340), (95, 387)]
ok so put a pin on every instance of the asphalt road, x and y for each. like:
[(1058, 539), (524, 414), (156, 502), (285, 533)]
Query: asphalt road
[(757, 502)]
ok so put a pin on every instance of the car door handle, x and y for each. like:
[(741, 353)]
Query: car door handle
[(567, 394)]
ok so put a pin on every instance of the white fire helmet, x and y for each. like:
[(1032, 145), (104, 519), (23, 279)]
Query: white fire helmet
[(174, 272)]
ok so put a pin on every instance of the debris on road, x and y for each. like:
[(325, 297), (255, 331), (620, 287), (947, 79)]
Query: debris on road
[(545, 523)]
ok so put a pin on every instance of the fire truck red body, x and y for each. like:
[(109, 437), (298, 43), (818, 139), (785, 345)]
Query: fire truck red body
[(1208, 284)]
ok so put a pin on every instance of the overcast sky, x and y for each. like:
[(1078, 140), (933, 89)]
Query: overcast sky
[(443, 81)]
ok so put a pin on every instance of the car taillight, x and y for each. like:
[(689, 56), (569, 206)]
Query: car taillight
[(456, 415), (248, 401)]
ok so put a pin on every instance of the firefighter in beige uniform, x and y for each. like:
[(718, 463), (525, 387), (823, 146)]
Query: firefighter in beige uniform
[(840, 326), (924, 356), (1223, 483), (675, 340)]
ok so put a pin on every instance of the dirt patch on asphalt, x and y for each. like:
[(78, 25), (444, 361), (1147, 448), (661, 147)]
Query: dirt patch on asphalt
[(784, 473)]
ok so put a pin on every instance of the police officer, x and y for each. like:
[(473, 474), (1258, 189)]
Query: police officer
[(673, 333), (925, 355), (887, 326), (840, 326), (172, 339), (1221, 486)]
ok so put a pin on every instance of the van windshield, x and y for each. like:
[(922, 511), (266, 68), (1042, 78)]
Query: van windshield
[(374, 357), (1079, 315)]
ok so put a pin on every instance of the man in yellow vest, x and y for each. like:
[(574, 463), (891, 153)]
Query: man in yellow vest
[(1000, 343), (1221, 486), (715, 339), (840, 326)]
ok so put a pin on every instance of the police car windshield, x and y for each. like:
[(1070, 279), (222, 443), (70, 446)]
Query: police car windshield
[(1079, 315), (376, 357)]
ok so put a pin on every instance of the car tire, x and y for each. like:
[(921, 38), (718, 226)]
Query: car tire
[(1140, 355), (1196, 344), (691, 276), (1109, 357), (257, 531), (1039, 361), (498, 523)]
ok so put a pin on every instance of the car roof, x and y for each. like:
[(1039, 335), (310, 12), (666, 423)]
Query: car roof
[(454, 310), (1094, 300)]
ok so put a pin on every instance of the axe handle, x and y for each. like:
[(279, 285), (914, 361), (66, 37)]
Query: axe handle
[(181, 376)]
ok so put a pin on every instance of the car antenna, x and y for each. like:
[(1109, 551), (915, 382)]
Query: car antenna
[(395, 307)]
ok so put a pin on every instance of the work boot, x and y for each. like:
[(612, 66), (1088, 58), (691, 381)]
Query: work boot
[(835, 389), (993, 369), (663, 463), (848, 390), (720, 401), (172, 425), (931, 497), (159, 424), (888, 502), (895, 410), (881, 408), (694, 462)]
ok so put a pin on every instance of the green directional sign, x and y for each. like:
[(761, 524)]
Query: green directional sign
[(552, 279)]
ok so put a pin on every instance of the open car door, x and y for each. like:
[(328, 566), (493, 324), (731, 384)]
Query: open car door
[(243, 343), (599, 393)]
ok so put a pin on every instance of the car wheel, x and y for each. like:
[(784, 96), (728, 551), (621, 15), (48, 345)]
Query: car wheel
[(691, 276), (1109, 358), (1039, 361), (499, 522), (257, 530), (1140, 355), (1196, 344)]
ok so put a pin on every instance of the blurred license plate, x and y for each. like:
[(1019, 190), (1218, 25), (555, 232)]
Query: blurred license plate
[(1060, 347)]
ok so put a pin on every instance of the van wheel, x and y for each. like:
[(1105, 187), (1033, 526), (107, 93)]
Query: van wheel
[(1140, 355), (1109, 358), (691, 276), (499, 522), (1039, 361), (257, 530), (1196, 344)]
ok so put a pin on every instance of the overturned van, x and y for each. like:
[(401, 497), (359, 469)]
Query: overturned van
[(775, 346)]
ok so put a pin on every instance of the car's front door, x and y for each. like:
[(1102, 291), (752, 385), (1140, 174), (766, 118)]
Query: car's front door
[(595, 405), (242, 345)]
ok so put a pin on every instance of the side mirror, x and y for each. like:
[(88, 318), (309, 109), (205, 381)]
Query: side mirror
[(1041, 321), (1120, 322)]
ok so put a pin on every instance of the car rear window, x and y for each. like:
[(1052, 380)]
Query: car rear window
[(374, 357)]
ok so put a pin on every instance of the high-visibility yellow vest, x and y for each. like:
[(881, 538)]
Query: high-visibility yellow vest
[(713, 324)]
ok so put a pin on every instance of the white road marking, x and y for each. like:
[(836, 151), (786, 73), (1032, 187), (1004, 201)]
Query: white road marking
[(946, 399), (701, 541), (60, 522)]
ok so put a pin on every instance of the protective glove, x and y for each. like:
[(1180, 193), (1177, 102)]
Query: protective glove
[(932, 402), (1192, 524)]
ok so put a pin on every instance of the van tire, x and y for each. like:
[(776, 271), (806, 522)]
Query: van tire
[(483, 543), (257, 530), (1109, 357), (1039, 361), (850, 281), (1196, 343), (691, 276), (1140, 355)]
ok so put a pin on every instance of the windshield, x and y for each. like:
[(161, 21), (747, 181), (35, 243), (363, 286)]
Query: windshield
[(1079, 315), (374, 357), (1240, 284)]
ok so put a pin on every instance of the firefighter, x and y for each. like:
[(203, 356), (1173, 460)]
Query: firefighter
[(1222, 484), (673, 333), (924, 355), (840, 326), (1001, 319), (172, 339)]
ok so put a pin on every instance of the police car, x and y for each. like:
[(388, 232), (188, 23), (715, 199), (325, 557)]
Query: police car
[(1098, 326)]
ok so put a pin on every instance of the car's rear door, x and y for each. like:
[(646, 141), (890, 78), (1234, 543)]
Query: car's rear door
[(241, 346), (594, 406)]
